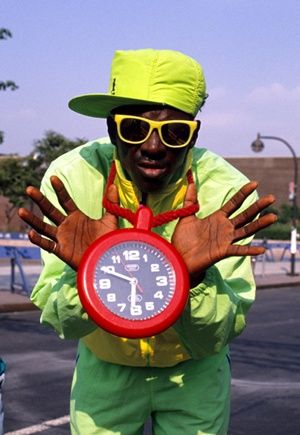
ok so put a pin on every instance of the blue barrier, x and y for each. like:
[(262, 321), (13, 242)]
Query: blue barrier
[(15, 261), (270, 245), (28, 253), (13, 236), (16, 254)]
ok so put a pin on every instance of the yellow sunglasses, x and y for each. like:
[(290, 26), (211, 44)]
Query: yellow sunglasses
[(173, 133)]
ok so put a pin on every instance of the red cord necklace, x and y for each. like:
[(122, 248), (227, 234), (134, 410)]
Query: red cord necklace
[(159, 219)]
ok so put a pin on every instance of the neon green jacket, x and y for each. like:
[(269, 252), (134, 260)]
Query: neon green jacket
[(217, 307)]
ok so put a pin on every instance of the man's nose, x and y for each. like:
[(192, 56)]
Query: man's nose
[(153, 145)]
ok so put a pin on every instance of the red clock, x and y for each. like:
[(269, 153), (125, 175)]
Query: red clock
[(132, 282)]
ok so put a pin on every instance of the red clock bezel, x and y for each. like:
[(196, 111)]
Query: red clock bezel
[(113, 323)]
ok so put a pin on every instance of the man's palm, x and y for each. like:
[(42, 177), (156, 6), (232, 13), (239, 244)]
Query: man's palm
[(74, 232), (203, 242)]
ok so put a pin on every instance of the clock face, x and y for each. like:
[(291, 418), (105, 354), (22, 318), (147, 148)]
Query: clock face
[(133, 283), (134, 280)]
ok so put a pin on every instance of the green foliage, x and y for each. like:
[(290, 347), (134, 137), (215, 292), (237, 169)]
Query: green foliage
[(277, 231), (284, 213), (8, 84), (48, 149), (17, 173), (14, 176), (281, 230), (5, 33), (13, 179)]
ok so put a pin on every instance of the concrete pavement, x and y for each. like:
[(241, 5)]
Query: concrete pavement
[(268, 274), (17, 300)]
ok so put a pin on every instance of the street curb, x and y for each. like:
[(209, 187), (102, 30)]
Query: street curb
[(263, 286), (24, 306)]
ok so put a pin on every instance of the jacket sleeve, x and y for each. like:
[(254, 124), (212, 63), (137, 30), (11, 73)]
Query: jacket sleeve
[(217, 307), (56, 292)]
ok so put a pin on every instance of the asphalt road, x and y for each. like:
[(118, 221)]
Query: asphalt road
[(265, 371)]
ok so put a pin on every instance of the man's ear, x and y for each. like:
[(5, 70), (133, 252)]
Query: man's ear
[(195, 136), (112, 129)]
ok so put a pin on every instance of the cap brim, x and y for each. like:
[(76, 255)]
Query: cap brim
[(101, 105)]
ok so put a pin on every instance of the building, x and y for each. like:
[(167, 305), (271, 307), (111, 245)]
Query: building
[(274, 174)]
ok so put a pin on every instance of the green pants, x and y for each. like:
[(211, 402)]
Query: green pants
[(190, 398)]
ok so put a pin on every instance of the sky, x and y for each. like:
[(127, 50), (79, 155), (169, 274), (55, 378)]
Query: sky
[(249, 50)]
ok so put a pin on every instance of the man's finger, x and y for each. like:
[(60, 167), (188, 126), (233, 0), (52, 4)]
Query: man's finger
[(244, 250), (237, 200), (42, 242), (251, 212), (46, 207), (254, 227), (37, 224), (112, 196), (62, 194)]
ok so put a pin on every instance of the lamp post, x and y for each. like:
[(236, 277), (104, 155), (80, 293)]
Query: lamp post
[(258, 146)]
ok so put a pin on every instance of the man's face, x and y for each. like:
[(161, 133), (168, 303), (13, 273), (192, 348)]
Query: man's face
[(151, 165)]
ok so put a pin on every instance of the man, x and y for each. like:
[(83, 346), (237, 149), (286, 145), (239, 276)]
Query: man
[(180, 377)]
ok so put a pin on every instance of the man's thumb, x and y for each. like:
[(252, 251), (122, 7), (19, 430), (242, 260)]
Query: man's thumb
[(112, 194), (190, 195)]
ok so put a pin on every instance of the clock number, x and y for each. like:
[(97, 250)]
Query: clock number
[(108, 269), (111, 297), (154, 267), (161, 281), (158, 295), (149, 306), (122, 307), (145, 257), (136, 310), (104, 283), (116, 259), (131, 255)]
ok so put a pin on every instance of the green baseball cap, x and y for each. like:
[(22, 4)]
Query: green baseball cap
[(147, 77)]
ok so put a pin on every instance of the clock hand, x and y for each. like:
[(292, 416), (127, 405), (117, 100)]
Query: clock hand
[(137, 283), (112, 272), (140, 288), (133, 284), (130, 273)]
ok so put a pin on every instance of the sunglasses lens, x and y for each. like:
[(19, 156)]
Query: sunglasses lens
[(176, 133), (134, 130)]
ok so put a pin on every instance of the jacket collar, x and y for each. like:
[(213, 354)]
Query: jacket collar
[(169, 198)]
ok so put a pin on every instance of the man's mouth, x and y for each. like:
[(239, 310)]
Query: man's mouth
[(151, 169)]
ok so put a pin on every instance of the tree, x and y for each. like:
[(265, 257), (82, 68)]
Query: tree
[(13, 178), (8, 84), (16, 173), (52, 146), (5, 33), (48, 149)]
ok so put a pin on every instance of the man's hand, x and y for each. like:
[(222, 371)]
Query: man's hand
[(203, 242), (73, 232)]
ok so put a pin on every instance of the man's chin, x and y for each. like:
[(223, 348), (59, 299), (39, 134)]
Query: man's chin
[(150, 184)]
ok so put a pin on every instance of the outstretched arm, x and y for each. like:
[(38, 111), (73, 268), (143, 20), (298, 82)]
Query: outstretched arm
[(221, 291)]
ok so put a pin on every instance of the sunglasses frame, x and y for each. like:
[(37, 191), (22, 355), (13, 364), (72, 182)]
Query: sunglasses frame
[(156, 125)]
